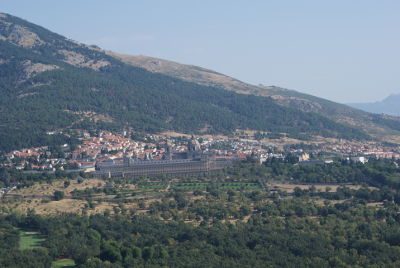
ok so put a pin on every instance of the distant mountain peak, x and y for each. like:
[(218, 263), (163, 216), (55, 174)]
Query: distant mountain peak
[(389, 105), (393, 97)]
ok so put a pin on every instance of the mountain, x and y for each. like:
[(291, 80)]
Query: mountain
[(378, 126), (49, 83), (390, 106)]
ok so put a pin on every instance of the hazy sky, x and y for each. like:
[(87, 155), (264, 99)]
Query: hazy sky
[(343, 50)]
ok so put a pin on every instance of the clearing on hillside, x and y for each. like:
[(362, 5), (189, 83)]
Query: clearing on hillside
[(30, 240), (63, 263)]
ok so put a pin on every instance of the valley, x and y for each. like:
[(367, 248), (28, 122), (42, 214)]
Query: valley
[(114, 160)]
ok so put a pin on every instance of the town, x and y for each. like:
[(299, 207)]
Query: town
[(103, 146)]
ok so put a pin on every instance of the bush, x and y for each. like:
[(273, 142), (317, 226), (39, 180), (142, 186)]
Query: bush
[(58, 195)]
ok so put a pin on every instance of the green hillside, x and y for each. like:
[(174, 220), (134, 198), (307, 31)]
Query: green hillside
[(48, 81), (380, 127)]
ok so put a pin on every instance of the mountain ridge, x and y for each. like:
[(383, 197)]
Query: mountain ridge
[(49, 82), (206, 76), (340, 113)]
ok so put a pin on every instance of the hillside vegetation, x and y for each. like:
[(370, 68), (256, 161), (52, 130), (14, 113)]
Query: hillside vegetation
[(374, 124), (48, 83)]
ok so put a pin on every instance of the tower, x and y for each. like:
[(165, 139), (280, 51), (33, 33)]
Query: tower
[(168, 151), (193, 148)]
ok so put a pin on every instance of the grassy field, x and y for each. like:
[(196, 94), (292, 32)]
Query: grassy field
[(63, 263), (30, 240)]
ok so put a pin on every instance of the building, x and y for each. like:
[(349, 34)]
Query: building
[(304, 157), (359, 159), (193, 161)]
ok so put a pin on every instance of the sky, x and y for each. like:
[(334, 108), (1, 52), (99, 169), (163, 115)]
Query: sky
[(346, 51)]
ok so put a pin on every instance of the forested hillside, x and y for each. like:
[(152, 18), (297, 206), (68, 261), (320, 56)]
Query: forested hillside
[(50, 83), (374, 124)]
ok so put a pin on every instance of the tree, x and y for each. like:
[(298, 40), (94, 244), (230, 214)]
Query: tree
[(110, 252), (58, 195), (66, 184), (148, 253), (5, 176), (136, 252), (297, 191)]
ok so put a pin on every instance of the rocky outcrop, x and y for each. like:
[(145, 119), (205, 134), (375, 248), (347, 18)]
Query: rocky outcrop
[(31, 69), (79, 60), (18, 35)]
